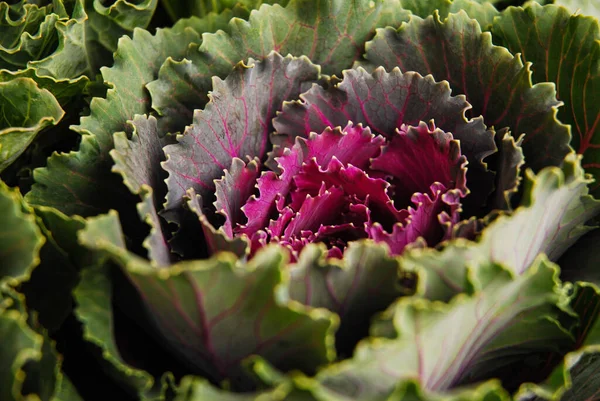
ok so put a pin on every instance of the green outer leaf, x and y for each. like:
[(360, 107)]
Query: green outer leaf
[(412, 390), (432, 347), (564, 49), (29, 363), (330, 33), (576, 377), (25, 110), (552, 216), (20, 345), (63, 90), (482, 11), (138, 161), (196, 389), (364, 282), (65, 391), (27, 33), (70, 60), (93, 296), (197, 304), (105, 25), (21, 238), (48, 290), (178, 9), (424, 9), (495, 83), (75, 183)]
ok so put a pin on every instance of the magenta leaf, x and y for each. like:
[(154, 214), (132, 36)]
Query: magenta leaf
[(321, 147), (386, 101), (318, 197), (233, 190), (419, 156), (235, 123), (435, 214)]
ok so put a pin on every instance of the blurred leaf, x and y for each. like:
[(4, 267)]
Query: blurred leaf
[(178, 9), (581, 7), (25, 110), (20, 237)]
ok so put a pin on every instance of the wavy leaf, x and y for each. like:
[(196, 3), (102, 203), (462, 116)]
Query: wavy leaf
[(26, 110), (138, 161), (93, 296), (356, 287), (582, 7), (21, 237), (49, 288), (196, 304), (551, 218), (178, 9), (564, 49), (384, 102), (298, 29), (236, 123), (431, 347), (494, 82), (575, 377), (30, 364), (72, 182)]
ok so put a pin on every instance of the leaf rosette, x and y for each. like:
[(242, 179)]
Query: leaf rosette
[(318, 206)]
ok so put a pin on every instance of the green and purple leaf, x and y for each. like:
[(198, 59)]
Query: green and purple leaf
[(496, 84), (563, 49), (385, 102), (236, 123)]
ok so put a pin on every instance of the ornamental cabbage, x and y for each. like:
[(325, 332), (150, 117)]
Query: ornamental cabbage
[(317, 200)]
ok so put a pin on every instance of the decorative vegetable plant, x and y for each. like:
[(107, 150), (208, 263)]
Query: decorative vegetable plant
[(313, 200)]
